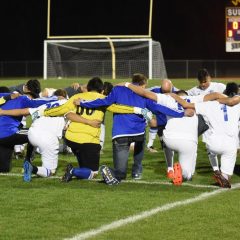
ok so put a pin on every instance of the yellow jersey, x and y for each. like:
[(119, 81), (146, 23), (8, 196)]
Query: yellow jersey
[(2, 101)]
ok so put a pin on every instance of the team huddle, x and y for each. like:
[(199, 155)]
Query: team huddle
[(76, 115)]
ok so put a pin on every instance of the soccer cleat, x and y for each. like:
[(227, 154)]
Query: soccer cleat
[(221, 180), (107, 175), (152, 149), (170, 174), (177, 178), (68, 173), (27, 174), (136, 176)]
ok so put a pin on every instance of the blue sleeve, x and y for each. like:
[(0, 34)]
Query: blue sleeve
[(156, 90), (4, 94), (100, 102), (29, 103), (157, 109)]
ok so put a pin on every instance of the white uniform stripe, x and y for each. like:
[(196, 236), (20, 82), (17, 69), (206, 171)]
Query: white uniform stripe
[(148, 213)]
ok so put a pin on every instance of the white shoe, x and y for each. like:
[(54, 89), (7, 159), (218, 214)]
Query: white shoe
[(152, 149)]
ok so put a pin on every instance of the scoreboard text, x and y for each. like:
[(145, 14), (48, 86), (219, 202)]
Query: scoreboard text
[(232, 29)]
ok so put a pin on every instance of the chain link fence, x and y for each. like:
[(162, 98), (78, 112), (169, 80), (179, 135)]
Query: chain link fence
[(175, 68)]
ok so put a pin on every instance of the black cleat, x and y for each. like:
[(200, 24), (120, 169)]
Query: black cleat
[(68, 173), (221, 180), (107, 175)]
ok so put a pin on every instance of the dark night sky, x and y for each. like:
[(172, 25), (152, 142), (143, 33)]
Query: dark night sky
[(187, 29)]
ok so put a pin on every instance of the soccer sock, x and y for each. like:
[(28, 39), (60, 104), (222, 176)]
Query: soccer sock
[(43, 172), (151, 136), (169, 155), (213, 160), (18, 148), (34, 170), (102, 135), (82, 173)]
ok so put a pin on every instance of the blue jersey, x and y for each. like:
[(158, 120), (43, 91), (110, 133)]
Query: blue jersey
[(129, 124), (161, 118), (9, 125)]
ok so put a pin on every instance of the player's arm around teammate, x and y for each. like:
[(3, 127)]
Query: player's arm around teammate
[(45, 133)]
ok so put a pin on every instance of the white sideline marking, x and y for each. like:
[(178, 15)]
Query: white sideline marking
[(148, 213), (169, 183), (127, 181), (20, 175)]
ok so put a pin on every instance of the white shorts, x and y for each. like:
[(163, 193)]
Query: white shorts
[(227, 148), (48, 145), (187, 154), (239, 140)]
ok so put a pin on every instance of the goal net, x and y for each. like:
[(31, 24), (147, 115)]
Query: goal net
[(115, 58)]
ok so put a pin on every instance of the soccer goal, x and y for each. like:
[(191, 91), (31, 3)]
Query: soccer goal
[(110, 58)]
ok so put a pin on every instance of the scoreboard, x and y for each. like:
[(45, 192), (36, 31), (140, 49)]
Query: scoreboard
[(232, 29)]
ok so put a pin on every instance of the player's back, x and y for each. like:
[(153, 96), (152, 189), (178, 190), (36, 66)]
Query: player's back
[(54, 125), (181, 128), (127, 124), (9, 125), (82, 133), (222, 119)]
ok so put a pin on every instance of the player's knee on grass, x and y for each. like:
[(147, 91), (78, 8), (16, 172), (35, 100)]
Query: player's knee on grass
[(119, 175), (45, 172), (5, 159)]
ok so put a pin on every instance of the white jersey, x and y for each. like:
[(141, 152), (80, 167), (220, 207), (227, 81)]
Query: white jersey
[(54, 125), (180, 128), (213, 87), (221, 119), (170, 102)]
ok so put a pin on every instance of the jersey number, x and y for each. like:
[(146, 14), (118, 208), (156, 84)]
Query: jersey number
[(225, 114), (51, 105), (88, 111)]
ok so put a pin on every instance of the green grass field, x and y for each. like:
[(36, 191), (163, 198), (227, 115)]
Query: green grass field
[(151, 208)]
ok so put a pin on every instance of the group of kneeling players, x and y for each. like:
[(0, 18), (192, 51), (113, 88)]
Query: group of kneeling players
[(76, 114)]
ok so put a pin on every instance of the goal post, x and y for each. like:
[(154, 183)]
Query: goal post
[(111, 58), (109, 50)]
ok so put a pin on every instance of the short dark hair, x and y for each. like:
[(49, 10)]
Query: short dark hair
[(32, 95), (34, 86), (139, 79), (107, 88), (231, 89), (60, 93), (95, 84), (4, 89), (181, 92), (202, 75)]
